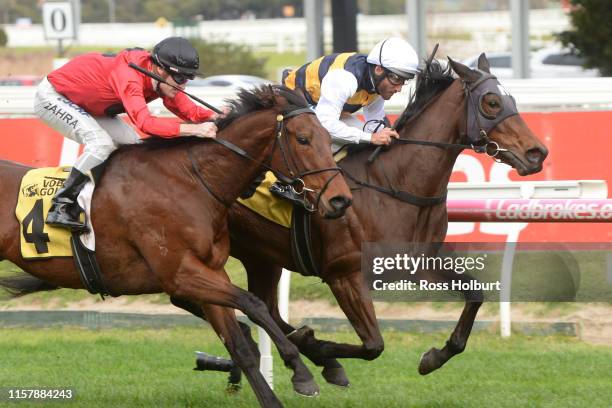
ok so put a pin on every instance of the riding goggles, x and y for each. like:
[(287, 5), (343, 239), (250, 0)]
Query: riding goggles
[(396, 79), (180, 79)]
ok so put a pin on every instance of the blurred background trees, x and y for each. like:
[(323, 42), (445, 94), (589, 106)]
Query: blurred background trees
[(133, 11), (591, 33), (225, 58)]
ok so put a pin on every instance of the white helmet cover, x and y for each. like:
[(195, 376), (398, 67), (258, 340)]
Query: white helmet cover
[(396, 55)]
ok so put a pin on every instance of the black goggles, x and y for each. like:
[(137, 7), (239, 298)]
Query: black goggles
[(397, 79), (180, 79)]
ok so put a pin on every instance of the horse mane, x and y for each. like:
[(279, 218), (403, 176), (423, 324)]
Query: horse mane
[(261, 98), (247, 101), (432, 82)]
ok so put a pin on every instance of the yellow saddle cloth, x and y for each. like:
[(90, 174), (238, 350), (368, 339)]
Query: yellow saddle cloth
[(271, 207), (39, 240), (267, 205)]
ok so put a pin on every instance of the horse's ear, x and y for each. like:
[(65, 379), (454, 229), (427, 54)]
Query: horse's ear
[(483, 63), (464, 72)]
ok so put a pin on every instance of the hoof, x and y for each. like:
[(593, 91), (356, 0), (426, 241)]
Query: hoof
[(307, 388), (336, 376), (430, 361), (233, 389)]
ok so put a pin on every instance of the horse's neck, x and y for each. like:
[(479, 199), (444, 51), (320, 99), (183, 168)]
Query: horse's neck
[(226, 170), (425, 170)]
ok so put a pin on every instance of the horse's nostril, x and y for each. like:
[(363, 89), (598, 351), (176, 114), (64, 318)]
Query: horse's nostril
[(536, 155), (339, 202)]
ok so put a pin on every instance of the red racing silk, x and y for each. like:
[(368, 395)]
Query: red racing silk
[(105, 85)]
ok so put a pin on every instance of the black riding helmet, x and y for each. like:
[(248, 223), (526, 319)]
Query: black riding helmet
[(176, 55)]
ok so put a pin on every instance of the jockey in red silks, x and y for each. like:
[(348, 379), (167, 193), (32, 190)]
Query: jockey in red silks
[(82, 99)]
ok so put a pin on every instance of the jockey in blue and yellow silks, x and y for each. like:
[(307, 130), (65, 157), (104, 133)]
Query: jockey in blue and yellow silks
[(339, 85)]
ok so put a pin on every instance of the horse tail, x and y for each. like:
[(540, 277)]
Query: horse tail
[(23, 284)]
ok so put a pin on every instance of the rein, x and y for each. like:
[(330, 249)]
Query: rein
[(400, 195), (482, 144), (296, 178)]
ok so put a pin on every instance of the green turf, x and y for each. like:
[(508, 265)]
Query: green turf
[(152, 368), (301, 288), (583, 281), (572, 277)]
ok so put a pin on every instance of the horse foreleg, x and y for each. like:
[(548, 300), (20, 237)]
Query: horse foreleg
[(435, 358), (263, 282), (199, 284), (224, 321), (354, 299)]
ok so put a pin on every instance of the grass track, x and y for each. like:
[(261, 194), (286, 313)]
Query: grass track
[(152, 368), (301, 287)]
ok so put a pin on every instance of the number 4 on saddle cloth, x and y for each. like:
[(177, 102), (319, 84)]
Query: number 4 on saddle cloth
[(40, 241)]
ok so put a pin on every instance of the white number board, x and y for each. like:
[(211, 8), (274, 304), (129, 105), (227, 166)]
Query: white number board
[(58, 21)]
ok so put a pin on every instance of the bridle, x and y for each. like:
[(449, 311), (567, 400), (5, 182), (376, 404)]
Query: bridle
[(295, 179), (479, 123), (476, 136)]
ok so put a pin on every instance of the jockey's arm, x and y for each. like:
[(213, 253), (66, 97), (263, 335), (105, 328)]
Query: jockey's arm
[(187, 110), (206, 129), (336, 88), (128, 85)]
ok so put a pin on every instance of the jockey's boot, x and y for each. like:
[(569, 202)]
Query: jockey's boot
[(286, 193), (65, 211)]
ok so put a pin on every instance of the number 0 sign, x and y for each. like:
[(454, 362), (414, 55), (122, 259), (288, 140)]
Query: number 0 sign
[(58, 21)]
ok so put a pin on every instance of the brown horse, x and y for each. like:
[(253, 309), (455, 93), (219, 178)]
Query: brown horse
[(397, 198), (160, 217)]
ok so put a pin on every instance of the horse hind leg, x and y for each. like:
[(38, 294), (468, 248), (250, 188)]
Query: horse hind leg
[(23, 284), (235, 377), (202, 285), (435, 358), (225, 324)]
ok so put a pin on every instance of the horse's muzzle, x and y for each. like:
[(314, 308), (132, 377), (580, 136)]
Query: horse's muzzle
[(534, 159), (337, 206), (536, 155)]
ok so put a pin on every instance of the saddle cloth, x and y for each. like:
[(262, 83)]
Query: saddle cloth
[(267, 205), (39, 240), (271, 207)]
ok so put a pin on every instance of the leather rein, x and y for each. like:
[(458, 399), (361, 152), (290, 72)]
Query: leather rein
[(474, 126), (294, 180)]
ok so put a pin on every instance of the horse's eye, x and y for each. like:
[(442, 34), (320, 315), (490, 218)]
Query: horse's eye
[(302, 140), (494, 104)]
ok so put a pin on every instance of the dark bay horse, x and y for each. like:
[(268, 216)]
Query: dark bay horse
[(454, 113), (160, 217)]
